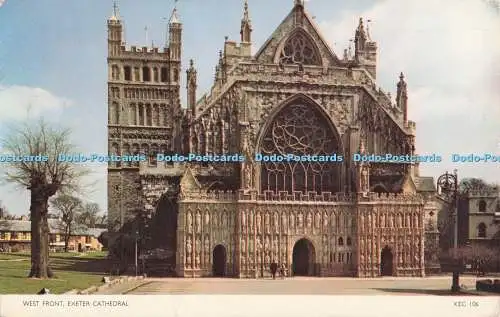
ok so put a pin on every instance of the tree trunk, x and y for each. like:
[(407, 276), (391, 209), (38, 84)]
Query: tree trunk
[(39, 237), (66, 238)]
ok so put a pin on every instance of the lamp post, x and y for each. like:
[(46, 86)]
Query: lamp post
[(136, 236), (448, 183)]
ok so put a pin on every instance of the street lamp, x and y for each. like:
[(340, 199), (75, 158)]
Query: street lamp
[(136, 236), (448, 184)]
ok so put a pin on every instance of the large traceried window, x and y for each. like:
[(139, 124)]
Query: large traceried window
[(301, 130), (300, 49)]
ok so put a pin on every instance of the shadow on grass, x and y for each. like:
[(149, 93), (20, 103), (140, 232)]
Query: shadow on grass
[(434, 292)]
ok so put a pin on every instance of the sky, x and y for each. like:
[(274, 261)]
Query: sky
[(53, 64)]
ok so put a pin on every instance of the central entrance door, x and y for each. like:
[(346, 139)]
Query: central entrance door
[(303, 258), (219, 261), (386, 268)]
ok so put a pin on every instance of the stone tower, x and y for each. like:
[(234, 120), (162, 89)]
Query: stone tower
[(144, 111)]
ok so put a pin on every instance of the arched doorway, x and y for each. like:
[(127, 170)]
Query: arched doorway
[(303, 258), (219, 261), (386, 263)]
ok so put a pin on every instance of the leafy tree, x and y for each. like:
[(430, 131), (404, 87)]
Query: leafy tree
[(43, 178), (69, 210)]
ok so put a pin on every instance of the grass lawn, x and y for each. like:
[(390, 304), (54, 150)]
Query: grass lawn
[(72, 271)]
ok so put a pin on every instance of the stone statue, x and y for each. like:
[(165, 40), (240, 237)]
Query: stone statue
[(318, 220), (243, 246), (400, 220), (189, 222), (250, 220), (207, 218), (267, 243), (243, 220), (224, 220), (284, 221), (309, 220), (292, 221), (197, 260), (391, 221), (276, 221), (267, 221), (198, 222), (207, 244), (258, 221), (248, 176), (300, 220), (325, 220), (198, 245), (382, 220)]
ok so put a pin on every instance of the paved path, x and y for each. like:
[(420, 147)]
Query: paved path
[(297, 285)]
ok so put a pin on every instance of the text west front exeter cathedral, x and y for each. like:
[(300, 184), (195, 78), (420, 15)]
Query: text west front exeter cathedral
[(294, 96)]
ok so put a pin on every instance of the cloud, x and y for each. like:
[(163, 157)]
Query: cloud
[(450, 54), (21, 102)]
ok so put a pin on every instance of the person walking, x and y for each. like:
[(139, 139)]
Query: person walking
[(283, 270), (274, 269)]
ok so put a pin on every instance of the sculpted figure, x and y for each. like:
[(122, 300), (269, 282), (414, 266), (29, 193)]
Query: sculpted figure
[(250, 220), (243, 246), (198, 222), (224, 220), (382, 220), (207, 244), (189, 246), (400, 225), (266, 243), (325, 220), (258, 221), (189, 222), (391, 221), (284, 221), (300, 220), (207, 218), (309, 220), (292, 221), (317, 220), (198, 245), (243, 220), (276, 221), (197, 260), (266, 221)]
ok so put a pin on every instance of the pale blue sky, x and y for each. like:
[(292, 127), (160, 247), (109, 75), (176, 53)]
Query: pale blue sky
[(53, 59)]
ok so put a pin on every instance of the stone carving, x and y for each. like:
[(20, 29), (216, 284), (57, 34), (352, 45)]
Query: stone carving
[(207, 218), (284, 221), (325, 220), (243, 220), (309, 220), (317, 220), (243, 246), (292, 221), (207, 244), (198, 222), (267, 222), (197, 260), (250, 221), (276, 222), (258, 221), (300, 220), (382, 220), (189, 222)]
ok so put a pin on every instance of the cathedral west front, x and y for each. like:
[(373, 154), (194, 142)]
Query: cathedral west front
[(293, 96)]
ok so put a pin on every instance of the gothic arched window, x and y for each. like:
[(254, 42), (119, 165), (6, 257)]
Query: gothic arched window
[(303, 131), (299, 48), (481, 230)]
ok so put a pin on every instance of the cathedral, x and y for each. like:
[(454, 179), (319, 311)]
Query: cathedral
[(295, 95)]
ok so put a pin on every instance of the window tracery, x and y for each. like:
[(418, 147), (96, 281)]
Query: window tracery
[(302, 131), (300, 49)]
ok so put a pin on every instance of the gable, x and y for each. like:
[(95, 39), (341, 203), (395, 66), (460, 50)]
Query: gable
[(297, 30)]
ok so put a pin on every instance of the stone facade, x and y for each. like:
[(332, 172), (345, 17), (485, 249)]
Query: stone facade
[(294, 96)]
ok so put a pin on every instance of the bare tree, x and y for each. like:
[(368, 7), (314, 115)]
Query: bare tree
[(69, 211), (469, 184), (39, 170), (90, 214)]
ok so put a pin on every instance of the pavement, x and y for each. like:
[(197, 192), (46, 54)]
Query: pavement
[(439, 285)]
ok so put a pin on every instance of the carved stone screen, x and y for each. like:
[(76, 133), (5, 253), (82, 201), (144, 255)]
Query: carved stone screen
[(300, 49), (300, 129)]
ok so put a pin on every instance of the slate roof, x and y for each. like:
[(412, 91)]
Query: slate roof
[(54, 226)]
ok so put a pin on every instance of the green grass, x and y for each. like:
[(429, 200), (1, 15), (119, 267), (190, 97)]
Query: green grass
[(72, 271)]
